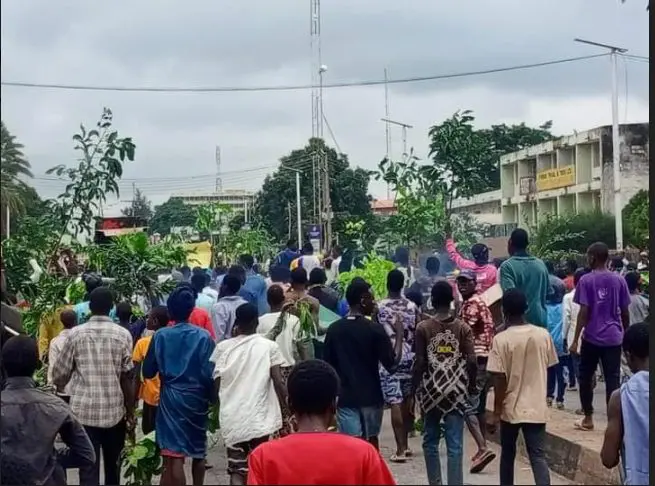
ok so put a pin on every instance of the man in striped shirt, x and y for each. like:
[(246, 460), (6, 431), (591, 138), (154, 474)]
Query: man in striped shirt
[(475, 313)]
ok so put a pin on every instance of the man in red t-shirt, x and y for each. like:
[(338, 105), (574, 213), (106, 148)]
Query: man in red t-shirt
[(199, 316), (300, 458)]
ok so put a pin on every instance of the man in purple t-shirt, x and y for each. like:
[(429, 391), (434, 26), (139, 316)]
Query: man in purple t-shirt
[(604, 301)]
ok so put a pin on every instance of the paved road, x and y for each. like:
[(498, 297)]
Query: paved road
[(572, 400), (411, 472)]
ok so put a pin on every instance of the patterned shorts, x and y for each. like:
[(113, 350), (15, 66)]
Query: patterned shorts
[(398, 386), (237, 456)]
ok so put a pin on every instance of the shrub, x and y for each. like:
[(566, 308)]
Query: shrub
[(636, 224), (560, 237)]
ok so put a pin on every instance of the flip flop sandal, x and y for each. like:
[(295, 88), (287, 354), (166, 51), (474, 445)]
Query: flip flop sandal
[(483, 461), (580, 426), (398, 458)]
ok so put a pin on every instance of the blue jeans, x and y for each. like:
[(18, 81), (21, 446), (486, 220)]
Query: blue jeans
[(453, 424), (364, 422), (556, 377), (570, 363), (534, 436)]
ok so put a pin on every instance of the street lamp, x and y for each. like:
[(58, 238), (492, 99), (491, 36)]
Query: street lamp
[(298, 172), (616, 146)]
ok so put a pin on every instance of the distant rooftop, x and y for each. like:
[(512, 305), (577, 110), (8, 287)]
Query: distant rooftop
[(383, 204), (209, 194)]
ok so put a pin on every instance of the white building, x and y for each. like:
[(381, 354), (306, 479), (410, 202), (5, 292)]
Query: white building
[(239, 200), (484, 207), (569, 175)]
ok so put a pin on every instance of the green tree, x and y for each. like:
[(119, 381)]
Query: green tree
[(211, 223), (460, 160), (466, 161), (212, 218), (636, 218), (134, 263), (236, 222), (173, 213), (275, 204), (420, 214), (32, 206), (504, 139), (569, 235), (140, 207), (96, 175), (39, 236), (13, 167)]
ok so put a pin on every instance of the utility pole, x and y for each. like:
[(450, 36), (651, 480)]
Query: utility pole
[(387, 133), (133, 199), (616, 143), (219, 181), (298, 216), (327, 204), (298, 220), (404, 127)]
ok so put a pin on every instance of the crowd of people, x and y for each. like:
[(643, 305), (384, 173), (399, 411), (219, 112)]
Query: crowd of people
[(301, 405)]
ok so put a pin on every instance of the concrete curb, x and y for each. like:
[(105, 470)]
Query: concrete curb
[(576, 462)]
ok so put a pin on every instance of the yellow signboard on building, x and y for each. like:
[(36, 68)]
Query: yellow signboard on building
[(556, 178), (201, 254)]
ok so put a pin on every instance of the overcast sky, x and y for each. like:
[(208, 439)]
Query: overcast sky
[(262, 42)]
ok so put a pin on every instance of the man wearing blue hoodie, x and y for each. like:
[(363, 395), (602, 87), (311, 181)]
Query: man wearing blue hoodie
[(289, 254), (555, 321), (254, 287)]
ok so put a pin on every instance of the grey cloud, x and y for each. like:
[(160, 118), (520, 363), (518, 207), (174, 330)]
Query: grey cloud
[(221, 43)]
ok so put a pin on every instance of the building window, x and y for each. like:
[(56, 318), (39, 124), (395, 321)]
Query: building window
[(595, 155)]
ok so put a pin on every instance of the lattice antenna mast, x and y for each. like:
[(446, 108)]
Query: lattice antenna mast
[(317, 115), (315, 40)]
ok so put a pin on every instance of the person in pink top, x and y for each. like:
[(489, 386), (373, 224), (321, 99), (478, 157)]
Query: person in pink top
[(486, 273)]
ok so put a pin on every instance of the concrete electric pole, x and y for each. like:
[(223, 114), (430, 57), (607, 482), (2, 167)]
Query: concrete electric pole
[(387, 133), (616, 143)]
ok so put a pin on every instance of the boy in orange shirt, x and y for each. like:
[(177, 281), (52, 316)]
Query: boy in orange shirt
[(148, 390)]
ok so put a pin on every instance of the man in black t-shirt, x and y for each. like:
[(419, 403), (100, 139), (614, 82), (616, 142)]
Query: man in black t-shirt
[(354, 346)]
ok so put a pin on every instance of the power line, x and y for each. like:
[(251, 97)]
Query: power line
[(150, 185), (332, 134), (301, 160), (202, 176), (344, 84), (637, 60), (185, 185), (197, 182), (636, 57)]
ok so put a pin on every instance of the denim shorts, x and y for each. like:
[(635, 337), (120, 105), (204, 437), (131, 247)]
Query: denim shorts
[(477, 402), (362, 422)]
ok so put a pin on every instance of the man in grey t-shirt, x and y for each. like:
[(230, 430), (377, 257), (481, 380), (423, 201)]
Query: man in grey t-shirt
[(639, 304)]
